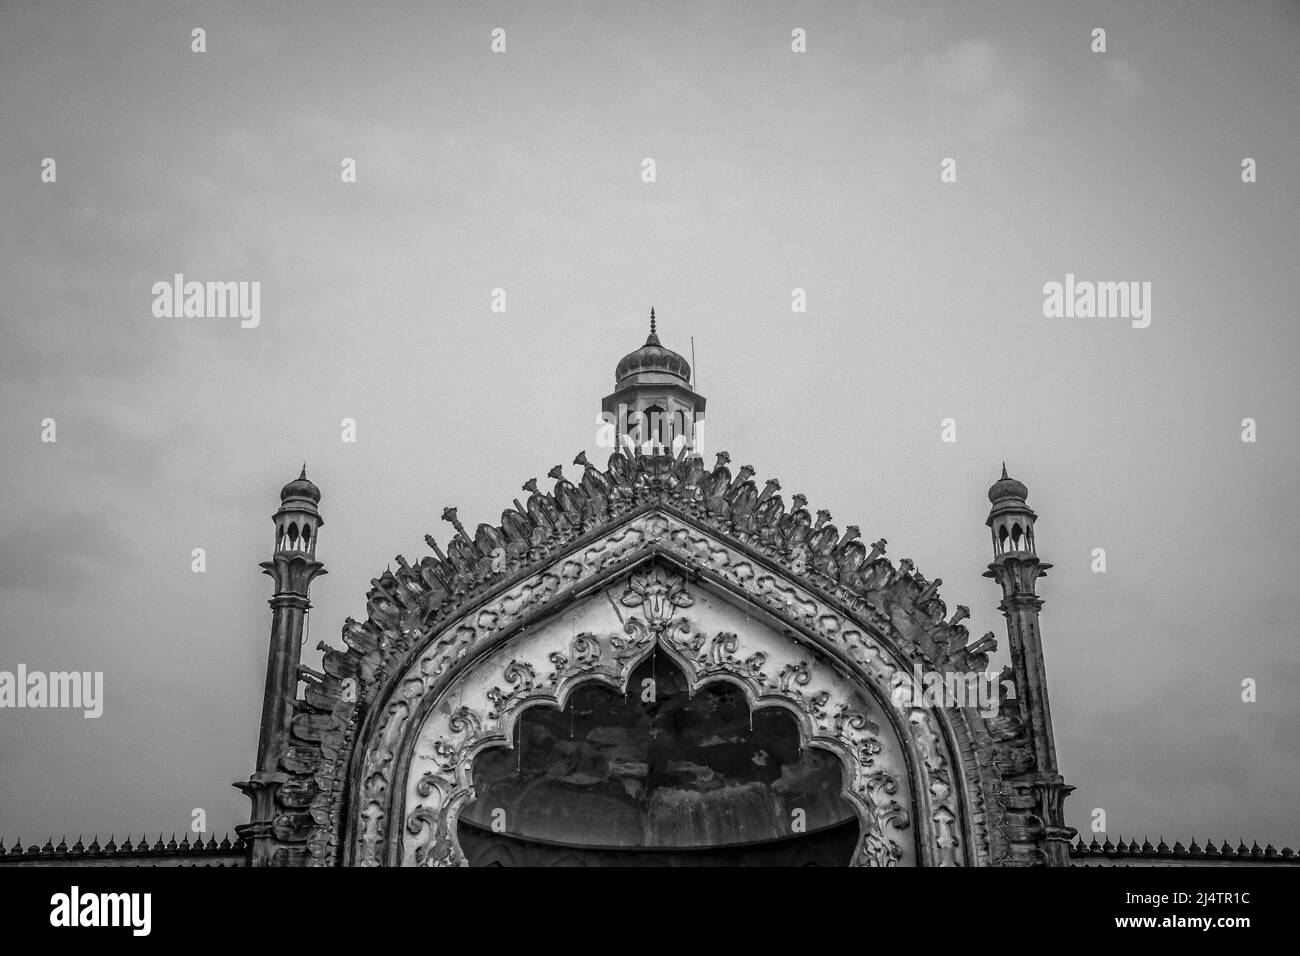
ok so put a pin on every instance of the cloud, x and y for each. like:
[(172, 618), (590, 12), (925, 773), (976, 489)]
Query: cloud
[(966, 68), (1125, 76), (47, 554), (972, 82)]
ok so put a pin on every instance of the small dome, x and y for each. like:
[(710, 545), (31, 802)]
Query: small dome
[(1006, 487), (653, 357), (300, 487)]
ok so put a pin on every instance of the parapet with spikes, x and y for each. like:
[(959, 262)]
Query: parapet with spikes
[(128, 853), (1130, 853)]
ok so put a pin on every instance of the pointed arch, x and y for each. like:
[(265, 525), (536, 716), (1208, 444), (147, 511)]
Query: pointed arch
[(427, 625), (944, 809), (482, 709)]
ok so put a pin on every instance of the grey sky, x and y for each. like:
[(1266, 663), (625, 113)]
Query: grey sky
[(775, 171)]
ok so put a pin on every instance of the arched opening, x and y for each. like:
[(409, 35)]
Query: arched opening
[(655, 427), (658, 776), (495, 736)]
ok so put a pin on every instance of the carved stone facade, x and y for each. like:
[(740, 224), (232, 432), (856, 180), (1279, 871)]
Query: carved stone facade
[(374, 761), (710, 639), (935, 786), (657, 553)]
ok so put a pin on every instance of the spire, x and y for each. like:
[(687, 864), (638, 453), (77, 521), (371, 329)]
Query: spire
[(303, 475), (653, 338), (1004, 471)]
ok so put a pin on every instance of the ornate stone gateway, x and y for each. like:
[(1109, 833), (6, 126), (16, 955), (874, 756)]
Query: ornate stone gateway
[(737, 622), (755, 609)]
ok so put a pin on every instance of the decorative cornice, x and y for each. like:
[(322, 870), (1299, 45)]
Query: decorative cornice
[(293, 572)]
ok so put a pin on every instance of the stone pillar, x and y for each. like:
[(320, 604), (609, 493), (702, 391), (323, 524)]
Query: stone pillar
[(1034, 792), (293, 567)]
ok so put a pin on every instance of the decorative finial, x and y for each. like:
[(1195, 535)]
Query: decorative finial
[(303, 476), (652, 320), (1004, 469), (449, 515)]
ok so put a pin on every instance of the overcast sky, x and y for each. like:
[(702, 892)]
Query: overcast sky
[(775, 170)]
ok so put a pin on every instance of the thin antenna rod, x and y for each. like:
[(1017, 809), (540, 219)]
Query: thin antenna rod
[(693, 361)]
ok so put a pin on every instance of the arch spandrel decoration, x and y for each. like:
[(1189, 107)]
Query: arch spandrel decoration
[(604, 639), (946, 758)]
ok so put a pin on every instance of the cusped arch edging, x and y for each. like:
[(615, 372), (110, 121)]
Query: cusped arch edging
[(947, 768), (828, 710)]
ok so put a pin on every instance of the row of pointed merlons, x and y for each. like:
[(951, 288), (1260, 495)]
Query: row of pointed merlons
[(126, 848), (1209, 851)]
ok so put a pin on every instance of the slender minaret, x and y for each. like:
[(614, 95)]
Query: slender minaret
[(293, 566), (654, 405), (1017, 568)]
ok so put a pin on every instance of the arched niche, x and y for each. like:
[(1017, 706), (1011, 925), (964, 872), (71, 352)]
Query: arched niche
[(604, 639), (661, 771)]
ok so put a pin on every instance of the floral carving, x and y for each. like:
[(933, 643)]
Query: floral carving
[(521, 677), (657, 594), (722, 649), (796, 673)]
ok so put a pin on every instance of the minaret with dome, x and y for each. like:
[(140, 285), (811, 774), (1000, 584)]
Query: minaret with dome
[(293, 567), (1017, 568)]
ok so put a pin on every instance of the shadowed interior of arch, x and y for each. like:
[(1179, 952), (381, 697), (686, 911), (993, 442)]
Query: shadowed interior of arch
[(655, 775)]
